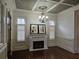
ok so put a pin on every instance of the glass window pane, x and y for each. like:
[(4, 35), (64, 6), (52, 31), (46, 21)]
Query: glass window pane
[(21, 35), (8, 20), (20, 21), (21, 28), (51, 23), (52, 33)]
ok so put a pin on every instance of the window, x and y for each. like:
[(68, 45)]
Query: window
[(51, 23), (51, 29), (20, 29)]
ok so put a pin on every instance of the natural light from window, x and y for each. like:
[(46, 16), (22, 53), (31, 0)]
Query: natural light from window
[(51, 23), (51, 30), (20, 29)]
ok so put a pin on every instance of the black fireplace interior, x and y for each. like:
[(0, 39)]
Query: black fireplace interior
[(38, 44)]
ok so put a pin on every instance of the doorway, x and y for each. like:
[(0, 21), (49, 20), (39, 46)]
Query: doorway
[(76, 31), (9, 35)]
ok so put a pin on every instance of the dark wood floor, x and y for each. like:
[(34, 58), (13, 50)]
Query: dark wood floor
[(51, 53)]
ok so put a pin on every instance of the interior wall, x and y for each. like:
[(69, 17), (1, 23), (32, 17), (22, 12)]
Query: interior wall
[(31, 18), (8, 5), (77, 30), (65, 29)]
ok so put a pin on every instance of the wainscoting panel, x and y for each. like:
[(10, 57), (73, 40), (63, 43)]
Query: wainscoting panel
[(64, 43)]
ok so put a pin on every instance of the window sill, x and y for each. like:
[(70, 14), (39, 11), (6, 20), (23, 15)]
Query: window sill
[(21, 41)]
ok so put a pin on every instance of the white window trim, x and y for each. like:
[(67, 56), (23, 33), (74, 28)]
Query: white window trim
[(50, 26), (20, 30)]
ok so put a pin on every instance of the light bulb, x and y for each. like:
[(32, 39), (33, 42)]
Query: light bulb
[(39, 17), (46, 16), (43, 17)]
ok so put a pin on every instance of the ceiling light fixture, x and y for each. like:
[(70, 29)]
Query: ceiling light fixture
[(43, 18)]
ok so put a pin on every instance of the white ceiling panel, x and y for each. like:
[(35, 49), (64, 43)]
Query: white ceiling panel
[(25, 4), (44, 3), (59, 8)]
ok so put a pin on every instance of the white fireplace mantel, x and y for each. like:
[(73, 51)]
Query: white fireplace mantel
[(37, 37)]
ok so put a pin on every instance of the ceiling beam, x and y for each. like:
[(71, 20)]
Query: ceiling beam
[(55, 5), (61, 3), (30, 11), (67, 4), (35, 5)]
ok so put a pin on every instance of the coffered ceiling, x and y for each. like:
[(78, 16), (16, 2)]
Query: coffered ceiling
[(53, 6), (72, 2)]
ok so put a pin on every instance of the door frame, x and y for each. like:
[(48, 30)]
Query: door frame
[(76, 38)]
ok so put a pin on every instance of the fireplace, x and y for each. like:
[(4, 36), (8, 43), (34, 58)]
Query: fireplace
[(38, 44)]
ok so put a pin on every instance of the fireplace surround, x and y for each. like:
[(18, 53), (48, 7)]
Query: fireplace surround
[(37, 42)]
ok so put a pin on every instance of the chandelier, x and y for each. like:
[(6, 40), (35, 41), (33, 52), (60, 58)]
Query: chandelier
[(43, 18)]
